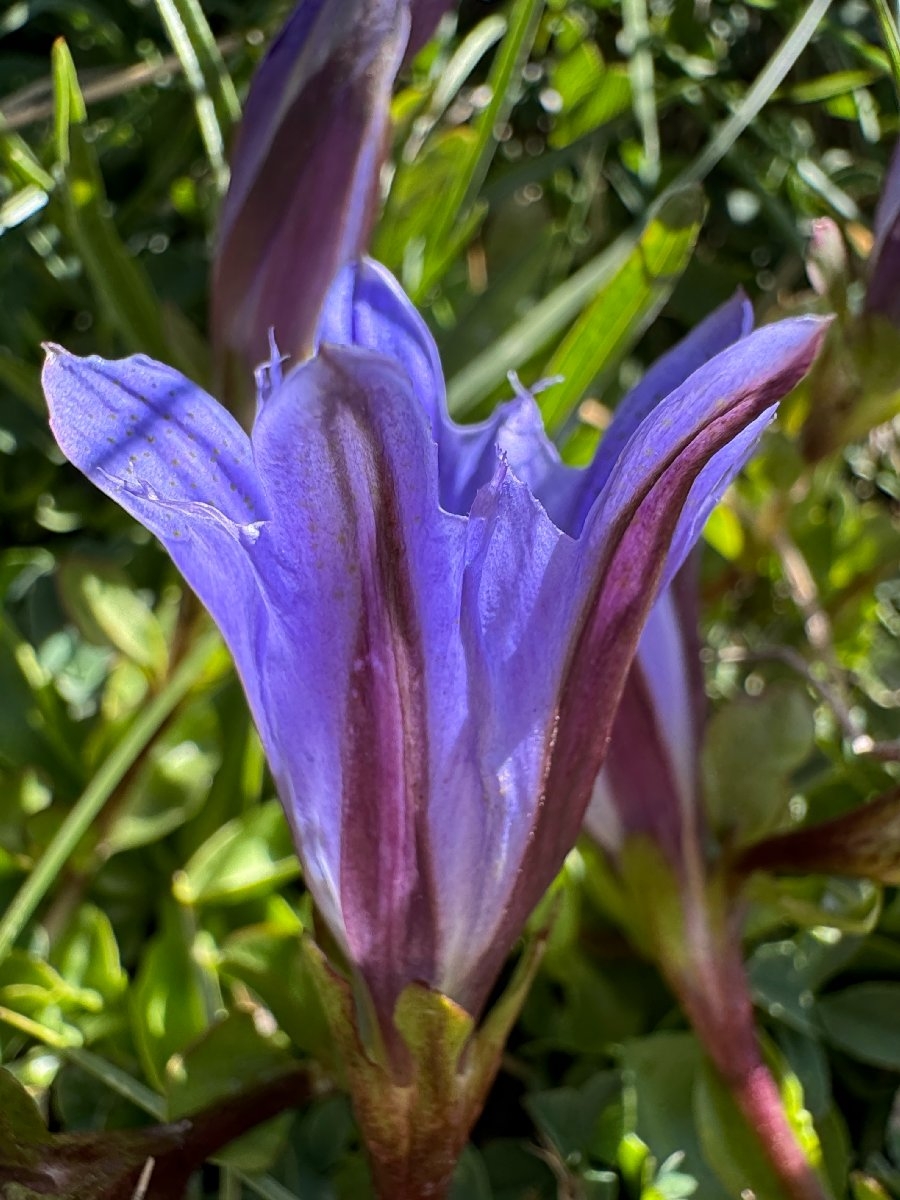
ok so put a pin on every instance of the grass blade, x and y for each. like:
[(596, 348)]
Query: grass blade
[(625, 304), (79, 820), (215, 100), (122, 288)]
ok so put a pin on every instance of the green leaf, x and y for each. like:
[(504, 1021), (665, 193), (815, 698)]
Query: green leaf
[(172, 783), (169, 998), (752, 747), (87, 954), (817, 901), (269, 959), (32, 986), (624, 305), (22, 1129), (231, 1057), (122, 288), (38, 1002), (248, 857), (107, 609), (569, 1116), (471, 1180), (409, 230), (591, 92), (785, 976), (660, 1071), (826, 87), (863, 1022)]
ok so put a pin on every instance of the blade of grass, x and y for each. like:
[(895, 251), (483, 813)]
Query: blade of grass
[(471, 50), (215, 100), (624, 306), (118, 1081), (85, 811), (643, 88), (122, 287), (757, 95), (891, 37), (511, 58)]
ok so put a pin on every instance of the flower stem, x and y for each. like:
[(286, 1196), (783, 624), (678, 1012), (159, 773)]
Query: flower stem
[(758, 1098), (715, 994)]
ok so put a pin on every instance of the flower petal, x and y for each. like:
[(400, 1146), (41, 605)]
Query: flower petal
[(363, 670), (305, 174), (622, 555), (516, 626), (882, 292), (367, 308), (181, 465), (649, 782), (726, 325)]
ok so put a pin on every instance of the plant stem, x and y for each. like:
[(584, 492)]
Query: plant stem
[(713, 988), (97, 793), (155, 1163)]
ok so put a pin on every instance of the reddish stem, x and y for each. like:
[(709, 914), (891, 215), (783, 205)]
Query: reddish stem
[(716, 997)]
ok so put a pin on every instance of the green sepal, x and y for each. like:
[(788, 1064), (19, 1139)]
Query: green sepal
[(418, 1088)]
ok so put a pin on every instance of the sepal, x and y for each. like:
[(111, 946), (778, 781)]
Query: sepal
[(416, 1100)]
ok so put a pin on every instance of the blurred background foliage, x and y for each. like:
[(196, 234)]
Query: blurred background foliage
[(573, 186)]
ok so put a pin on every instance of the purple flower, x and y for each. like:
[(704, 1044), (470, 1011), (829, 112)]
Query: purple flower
[(882, 289), (305, 171), (654, 791), (646, 813), (433, 624)]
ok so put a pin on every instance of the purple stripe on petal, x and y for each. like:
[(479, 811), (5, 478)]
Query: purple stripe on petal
[(365, 671), (622, 555)]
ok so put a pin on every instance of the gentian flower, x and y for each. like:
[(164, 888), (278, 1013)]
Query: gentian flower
[(305, 171), (433, 623), (647, 814)]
